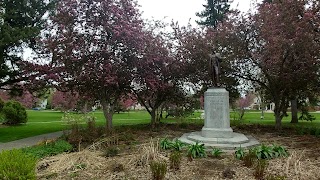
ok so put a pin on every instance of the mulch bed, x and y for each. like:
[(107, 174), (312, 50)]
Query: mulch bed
[(139, 148)]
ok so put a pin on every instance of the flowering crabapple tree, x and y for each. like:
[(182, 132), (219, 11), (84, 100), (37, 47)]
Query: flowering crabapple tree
[(64, 100), (156, 79), (93, 46), (276, 49)]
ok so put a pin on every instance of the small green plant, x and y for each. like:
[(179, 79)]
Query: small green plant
[(175, 160), (48, 149), (279, 151), (216, 152), (158, 170), (111, 151), (165, 144), (14, 113), (249, 158), (264, 152), (15, 164), (260, 168), (196, 150), (177, 145), (240, 153)]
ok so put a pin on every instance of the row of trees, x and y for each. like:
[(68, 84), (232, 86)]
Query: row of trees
[(103, 51)]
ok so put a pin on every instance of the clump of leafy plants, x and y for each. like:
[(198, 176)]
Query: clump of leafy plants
[(177, 145), (264, 152), (197, 150), (216, 152), (48, 149), (158, 170), (279, 151), (270, 152), (15, 164), (165, 144), (175, 160), (240, 153)]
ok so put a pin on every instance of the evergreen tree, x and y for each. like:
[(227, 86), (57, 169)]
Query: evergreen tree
[(214, 12), (20, 23)]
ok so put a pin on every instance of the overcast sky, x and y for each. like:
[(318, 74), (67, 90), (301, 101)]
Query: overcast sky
[(182, 10)]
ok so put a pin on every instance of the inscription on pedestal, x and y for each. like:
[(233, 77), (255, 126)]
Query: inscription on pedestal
[(217, 108)]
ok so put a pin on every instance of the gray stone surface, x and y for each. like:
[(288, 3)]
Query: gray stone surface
[(30, 141), (217, 131), (225, 144), (217, 115)]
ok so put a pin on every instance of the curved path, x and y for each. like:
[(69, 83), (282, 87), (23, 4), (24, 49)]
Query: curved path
[(30, 141)]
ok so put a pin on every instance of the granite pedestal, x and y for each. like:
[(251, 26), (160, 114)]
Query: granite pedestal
[(217, 131)]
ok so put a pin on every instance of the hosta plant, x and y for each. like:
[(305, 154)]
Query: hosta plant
[(279, 151), (165, 144), (216, 152), (240, 153), (264, 152), (197, 150), (177, 145)]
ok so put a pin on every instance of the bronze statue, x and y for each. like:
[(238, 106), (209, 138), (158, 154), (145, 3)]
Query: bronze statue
[(214, 67)]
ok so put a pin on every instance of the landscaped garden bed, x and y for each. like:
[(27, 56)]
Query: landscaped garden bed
[(129, 154)]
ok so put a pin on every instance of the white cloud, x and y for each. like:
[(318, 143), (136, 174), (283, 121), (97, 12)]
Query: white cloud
[(183, 10)]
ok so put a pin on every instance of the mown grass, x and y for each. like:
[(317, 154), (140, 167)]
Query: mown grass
[(41, 122)]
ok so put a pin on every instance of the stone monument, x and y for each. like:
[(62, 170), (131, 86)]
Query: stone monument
[(217, 131)]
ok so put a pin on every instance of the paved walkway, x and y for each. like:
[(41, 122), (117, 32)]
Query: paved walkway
[(30, 141)]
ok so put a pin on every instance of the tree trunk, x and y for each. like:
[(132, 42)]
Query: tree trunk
[(153, 118), (241, 113), (108, 113), (294, 111), (278, 120), (262, 113)]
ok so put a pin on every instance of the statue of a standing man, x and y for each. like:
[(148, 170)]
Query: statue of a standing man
[(214, 67)]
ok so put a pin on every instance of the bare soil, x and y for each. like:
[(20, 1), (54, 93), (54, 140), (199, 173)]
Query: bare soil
[(139, 146)]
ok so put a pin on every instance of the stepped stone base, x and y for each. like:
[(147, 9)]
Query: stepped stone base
[(217, 132), (226, 143)]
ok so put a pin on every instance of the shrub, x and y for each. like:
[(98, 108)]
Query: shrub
[(175, 160), (49, 149), (16, 165), (197, 150), (165, 144), (216, 152), (239, 153), (82, 135), (158, 170), (14, 113), (260, 168)]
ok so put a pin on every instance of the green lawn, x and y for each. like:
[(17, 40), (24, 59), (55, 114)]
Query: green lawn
[(41, 122)]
